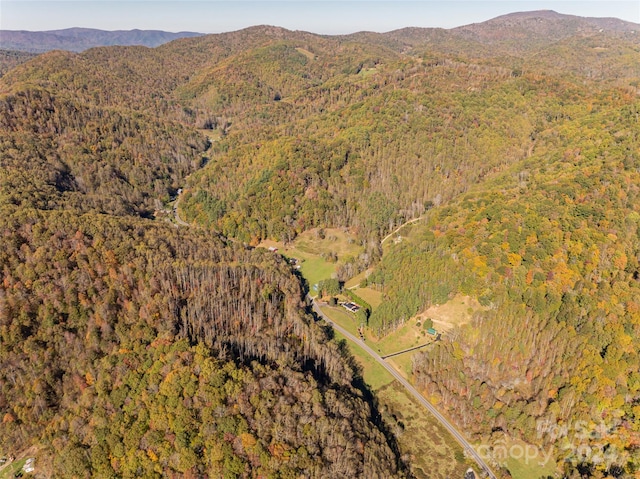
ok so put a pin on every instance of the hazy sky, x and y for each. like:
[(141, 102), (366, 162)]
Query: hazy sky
[(319, 16)]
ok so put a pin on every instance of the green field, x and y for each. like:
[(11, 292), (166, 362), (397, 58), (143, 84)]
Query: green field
[(342, 317), (409, 335), (310, 247), (355, 281), (9, 470), (314, 269), (404, 364), (522, 468), (371, 296)]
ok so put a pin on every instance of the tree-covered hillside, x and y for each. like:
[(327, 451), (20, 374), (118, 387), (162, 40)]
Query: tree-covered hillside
[(134, 348), (550, 247)]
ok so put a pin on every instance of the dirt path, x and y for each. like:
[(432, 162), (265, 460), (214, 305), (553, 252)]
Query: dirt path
[(400, 227)]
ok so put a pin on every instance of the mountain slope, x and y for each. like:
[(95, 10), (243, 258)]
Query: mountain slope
[(132, 348), (550, 248), (526, 177), (10, 59), (537, 40), (530, 30)]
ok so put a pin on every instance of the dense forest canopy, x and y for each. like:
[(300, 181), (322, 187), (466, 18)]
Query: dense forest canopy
[(131, 347), (551, 249)]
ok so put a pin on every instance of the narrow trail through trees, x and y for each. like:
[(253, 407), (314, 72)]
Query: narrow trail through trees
[(402, 226)]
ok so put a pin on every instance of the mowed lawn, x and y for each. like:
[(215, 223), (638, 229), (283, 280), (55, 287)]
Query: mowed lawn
[(409, 335), (315, 269), (371, 296), (312, 250), (9, 470), (342, 317), (527, 461)]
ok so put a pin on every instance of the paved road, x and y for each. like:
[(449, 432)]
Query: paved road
[(176, 215), (414, 392)]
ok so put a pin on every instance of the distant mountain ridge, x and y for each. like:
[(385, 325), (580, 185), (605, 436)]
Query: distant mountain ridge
[(523, 30), (514, 32), (80, 39)]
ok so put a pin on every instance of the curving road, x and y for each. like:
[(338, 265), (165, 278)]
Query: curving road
[(176, 215), (414, 392)]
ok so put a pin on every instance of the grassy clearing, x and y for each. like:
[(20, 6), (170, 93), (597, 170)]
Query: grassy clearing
[(309, 248), (403, 234), (306, 53), (453, 313), (355, 281), (332, 240), (9, 470), (366, 72), (522, 468), (411, 334), (371, 296), (404, 364), (342, 317), (315, 269)]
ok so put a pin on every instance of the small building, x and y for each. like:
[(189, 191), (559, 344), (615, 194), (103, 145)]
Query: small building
[(273, 249), (28, 466), (353, 307)]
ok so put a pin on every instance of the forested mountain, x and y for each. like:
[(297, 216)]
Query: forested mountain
[(80, 39), (550, 248), (11, 58), (132, 348)]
